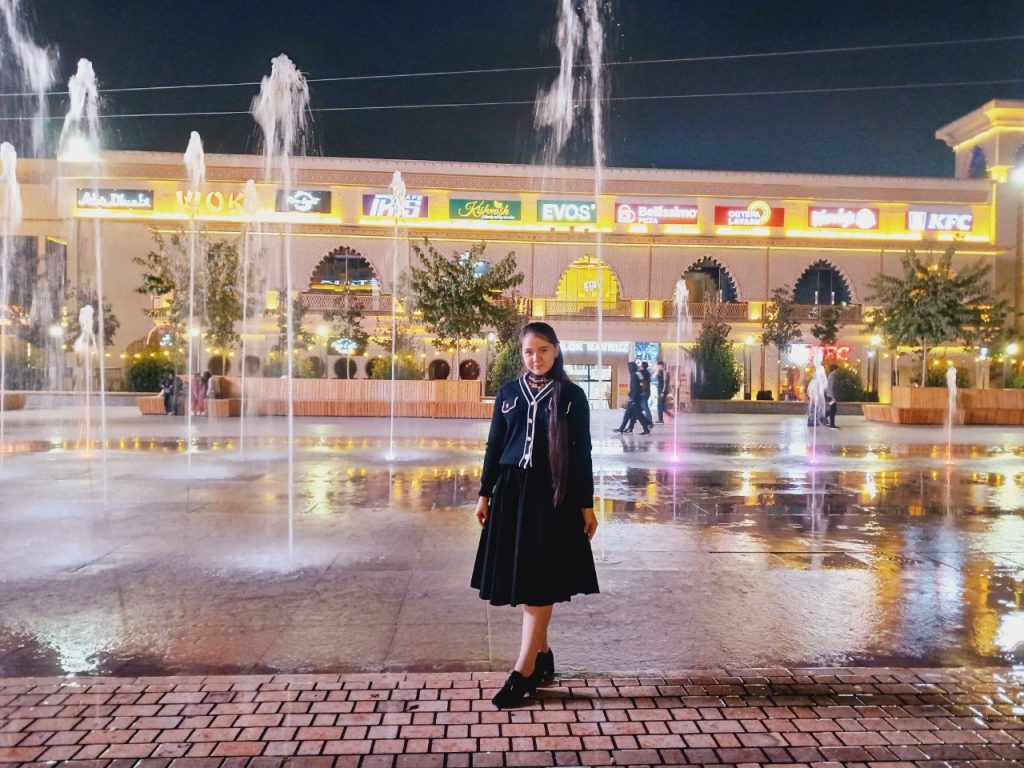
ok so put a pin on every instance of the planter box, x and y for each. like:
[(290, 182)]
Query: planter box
[(14, 401), (929, 405)]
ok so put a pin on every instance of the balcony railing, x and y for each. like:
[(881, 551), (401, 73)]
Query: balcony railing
[(735, 310), (557, 308), (340, 302), (806, 313)]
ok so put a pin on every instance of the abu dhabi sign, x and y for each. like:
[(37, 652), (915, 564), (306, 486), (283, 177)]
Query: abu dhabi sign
[(115, 199)]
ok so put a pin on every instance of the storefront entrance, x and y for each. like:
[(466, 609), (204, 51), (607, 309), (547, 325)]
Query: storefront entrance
[(595, 381)]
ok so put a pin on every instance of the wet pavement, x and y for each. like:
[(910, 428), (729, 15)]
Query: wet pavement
[(748, 542)]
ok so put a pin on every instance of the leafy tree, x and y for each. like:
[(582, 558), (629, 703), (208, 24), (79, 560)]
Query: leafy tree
[(300, 336), (932, 304), (219, 298), (718, 375), (849, 387), (506, 365), (778, 327), (456, 302), (827, 332), (348, 324), (110, 322)]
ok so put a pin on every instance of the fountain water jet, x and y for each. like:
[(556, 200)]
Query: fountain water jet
[(252, 229), (281, 110), (816, 403), (195, 166), (950, 411), (11, 213), (398, 193), (81, 125), (85, 347), (34, 64), (684, 330)]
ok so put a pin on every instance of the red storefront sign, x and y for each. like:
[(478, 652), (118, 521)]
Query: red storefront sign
[(757, 214)]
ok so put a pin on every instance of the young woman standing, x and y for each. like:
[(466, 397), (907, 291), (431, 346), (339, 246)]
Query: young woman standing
[(536, 504)]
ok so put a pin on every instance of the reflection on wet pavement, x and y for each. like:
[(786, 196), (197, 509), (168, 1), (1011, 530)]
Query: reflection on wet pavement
[(750, 550)]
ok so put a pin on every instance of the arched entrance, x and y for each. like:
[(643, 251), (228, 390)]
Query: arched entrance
[(577, 290), (344, 269), (822, 283), (707, 281)]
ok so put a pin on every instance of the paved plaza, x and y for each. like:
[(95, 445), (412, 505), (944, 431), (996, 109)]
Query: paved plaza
[(769, 595)]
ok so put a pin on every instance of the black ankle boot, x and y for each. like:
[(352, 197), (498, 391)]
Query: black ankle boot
[(516, 689), (544, 669)]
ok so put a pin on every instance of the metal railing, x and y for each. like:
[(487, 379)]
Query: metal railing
[(804, 313), (558, 308)]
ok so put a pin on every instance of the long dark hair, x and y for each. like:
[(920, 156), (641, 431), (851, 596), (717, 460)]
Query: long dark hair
[(558, 431)]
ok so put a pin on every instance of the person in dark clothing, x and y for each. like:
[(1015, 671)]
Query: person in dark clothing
[(645, 396), (661, 379), (168, 389), (830, 396), (634, 411), (536, 505)]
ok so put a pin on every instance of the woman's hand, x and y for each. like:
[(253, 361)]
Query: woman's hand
[(589, 522), (482, 509)]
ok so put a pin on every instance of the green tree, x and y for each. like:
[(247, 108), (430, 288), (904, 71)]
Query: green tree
[(300, 336), (347, 325), (219, 297), (81, 297), (827, 331), (718, 375), (779, 327), (456, 301), (932, 304)]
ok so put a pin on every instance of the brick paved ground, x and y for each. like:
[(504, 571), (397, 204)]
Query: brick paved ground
[(887, 718)]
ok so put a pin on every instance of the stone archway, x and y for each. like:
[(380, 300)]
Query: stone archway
[(823, 283), (578, 283), (708, 280), (344, 269)]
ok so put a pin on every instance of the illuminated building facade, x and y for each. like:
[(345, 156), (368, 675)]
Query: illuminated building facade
[(730, 236)]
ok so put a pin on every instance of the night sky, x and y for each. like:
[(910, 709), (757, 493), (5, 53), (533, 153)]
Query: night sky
[(889, 133)]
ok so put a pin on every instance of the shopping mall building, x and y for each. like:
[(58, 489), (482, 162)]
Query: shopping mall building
[(730, 236)]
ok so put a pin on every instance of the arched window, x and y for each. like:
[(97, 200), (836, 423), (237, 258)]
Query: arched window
[(343, 269), (821, 283), (579, 283), (707, 280)]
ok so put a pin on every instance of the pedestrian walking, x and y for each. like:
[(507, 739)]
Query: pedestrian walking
[(645, 396), (536, 505), (629, 418), (830, 396), (661, 380)]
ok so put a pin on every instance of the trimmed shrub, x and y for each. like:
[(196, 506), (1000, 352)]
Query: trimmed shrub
[(343, 364), (937, 377), (407, 368), (506, 366), (849, 387), (144, 375)]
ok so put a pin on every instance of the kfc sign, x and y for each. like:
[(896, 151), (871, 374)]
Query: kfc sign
[(655, 213), (757, 214), (928, 221), (382, 206), (842, 218)]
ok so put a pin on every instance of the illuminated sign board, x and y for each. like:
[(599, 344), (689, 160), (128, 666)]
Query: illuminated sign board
[(115, 199), (567, 211), (212, 203), (303, 201), (655, 213), (929, 221), (382, 206), (594, 346), (842, 218), (485, 210), (757, 214)]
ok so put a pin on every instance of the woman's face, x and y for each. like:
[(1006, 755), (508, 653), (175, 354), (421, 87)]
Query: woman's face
[(538, 354)]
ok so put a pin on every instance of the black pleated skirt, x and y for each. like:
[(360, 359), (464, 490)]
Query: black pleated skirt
[(531, 553)]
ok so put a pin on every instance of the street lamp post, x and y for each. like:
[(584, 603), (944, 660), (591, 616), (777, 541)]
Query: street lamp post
[(748, 343), (1011, 351), (873, 362)]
